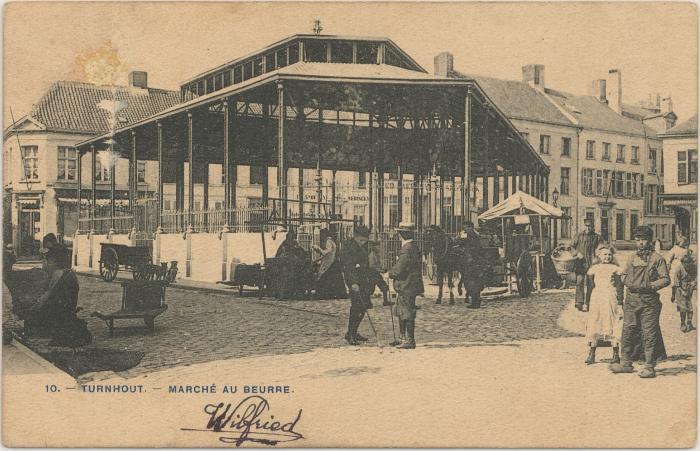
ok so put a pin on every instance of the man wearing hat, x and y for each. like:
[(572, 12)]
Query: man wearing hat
[(355, 260), (585, 243), (408, 283), (644, 275)]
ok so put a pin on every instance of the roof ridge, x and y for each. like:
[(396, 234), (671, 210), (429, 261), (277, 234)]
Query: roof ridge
[(95, 85)]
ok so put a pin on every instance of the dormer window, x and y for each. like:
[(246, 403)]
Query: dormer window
[(341, 52), (367, 53), (316, 51)]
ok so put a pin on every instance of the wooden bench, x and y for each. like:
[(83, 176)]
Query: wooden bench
[(140, 299)]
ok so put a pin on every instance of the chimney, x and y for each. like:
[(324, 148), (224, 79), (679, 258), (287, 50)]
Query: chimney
[(138, 79), (597, 90), (533, 74), (444, 64), (666, 105), (614, 90)]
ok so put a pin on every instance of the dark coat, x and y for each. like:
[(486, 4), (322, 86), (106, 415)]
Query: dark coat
[(355, 261), (407, 271)]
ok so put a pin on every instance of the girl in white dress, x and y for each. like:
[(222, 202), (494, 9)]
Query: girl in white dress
[(605, 312)]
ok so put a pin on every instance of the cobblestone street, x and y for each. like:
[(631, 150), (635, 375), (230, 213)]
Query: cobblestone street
[(204, 325)]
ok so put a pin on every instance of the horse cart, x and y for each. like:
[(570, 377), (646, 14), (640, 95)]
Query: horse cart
[(136, 259)]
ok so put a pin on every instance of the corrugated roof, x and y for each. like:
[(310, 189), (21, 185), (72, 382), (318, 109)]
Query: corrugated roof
[(518, 100), (73, 105), (688, 127)]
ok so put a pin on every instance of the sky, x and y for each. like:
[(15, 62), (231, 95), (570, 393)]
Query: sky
[(653, 44)]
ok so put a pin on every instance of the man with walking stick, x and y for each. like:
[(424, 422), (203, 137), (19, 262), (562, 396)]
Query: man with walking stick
[(355, 259), (408, 283)]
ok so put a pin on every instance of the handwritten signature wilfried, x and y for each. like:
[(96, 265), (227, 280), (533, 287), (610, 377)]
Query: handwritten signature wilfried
[(250, 420)]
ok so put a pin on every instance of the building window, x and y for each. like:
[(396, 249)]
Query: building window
[(361, 179), (367, 53), (634, 221), (605, 224), (628, 184), (67, 163), (606, 182), (619, 184), (635, 155), (257, 175), (544, 144), (650, 200), (101, 172), (141, 172), (30, 162), (590, 215), (316, 51), (652, 161), (682, 167), (693, 166), (599, 182), (566, 223), (590, 150), (635, 185), (566, 147), (358, 214), (341, 52), (620, 153), (588, 182), (606, 152), (565, 179), (620, 225)]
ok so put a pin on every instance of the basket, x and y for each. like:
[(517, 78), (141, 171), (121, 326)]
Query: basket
[(564, 265)]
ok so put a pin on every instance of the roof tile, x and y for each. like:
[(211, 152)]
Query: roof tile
[(72, 105)]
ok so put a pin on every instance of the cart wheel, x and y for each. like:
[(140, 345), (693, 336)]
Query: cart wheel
[(109, 265)]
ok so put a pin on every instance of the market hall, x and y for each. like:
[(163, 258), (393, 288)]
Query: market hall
[(307, 104)]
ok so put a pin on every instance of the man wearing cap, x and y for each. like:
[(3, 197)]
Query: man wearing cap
[(355, 260), (472, 276), (644, 275), (585, 244), (408, 283)]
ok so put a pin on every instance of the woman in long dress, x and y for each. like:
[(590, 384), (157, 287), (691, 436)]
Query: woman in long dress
[(605, 312), (329, 277), (674, 258)]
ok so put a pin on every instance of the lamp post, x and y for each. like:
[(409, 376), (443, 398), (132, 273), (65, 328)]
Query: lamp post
[(555, 198)]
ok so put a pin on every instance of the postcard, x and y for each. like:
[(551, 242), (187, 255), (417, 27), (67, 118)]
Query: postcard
[(349, 224)]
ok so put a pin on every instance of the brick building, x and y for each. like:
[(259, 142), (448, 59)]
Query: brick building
[(604, 155), (40, 161)]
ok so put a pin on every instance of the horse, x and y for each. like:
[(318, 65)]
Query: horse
[(447, 258)]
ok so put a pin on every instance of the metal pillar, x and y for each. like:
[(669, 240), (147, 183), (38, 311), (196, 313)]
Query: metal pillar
[(190, 179), (133, 197), (301, 195), (467, 154), (496, 187), (80, 184), (399, 194), (333, 194), (160, 177), (94, 189), (226, 167), (505, 185), (513, 181), (281, 166), (485, 189)]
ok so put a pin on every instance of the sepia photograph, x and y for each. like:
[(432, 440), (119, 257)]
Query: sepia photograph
[(349, 224)]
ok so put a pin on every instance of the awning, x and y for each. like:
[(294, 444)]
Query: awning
[(520, 203), (679, 200)]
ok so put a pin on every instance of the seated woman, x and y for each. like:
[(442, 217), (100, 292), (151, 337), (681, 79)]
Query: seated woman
[(294, 275), (53, 314), (329, 276)]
